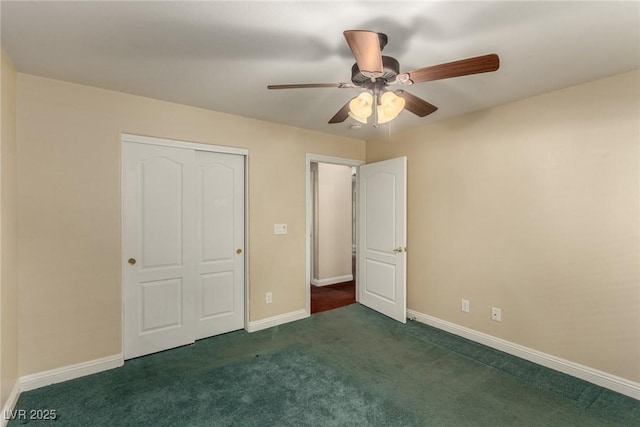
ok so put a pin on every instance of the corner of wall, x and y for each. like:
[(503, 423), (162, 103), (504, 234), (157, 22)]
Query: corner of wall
[(8, 236)]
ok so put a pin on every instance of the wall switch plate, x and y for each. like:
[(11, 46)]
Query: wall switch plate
[(465, 305), (268, 297), (496, 314), (279, 228)]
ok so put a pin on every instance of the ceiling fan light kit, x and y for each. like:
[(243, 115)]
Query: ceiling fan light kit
[(375, 72), (390, 106), (360, 107)]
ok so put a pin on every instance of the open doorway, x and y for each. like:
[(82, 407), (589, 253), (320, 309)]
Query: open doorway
[(331, 232), (333, 244)]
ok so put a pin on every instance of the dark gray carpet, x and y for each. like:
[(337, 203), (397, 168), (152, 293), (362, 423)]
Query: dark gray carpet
[(346, 367)]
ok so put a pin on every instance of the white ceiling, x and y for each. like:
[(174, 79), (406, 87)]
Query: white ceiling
[(222, 55)]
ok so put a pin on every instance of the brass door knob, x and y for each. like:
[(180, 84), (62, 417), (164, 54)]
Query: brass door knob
[(399, 249), (132, 261), (238, 251)]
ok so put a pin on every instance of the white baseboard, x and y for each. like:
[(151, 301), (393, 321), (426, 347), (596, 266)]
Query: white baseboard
[(332, 280), (603, 379), (10, 404), (66, 373), (281, 319)]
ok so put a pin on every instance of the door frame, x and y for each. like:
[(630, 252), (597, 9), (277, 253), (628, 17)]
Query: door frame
[(319, 158), (199, 146)]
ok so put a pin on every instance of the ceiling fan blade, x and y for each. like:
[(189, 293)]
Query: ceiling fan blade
[(417, 106), (341, 115), (365, 46), (464, 67), (312, 85)]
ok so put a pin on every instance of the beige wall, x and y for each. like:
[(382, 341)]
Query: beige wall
[(69, 209), (313, 171), (8, 232), (333, 257), (532, 207)]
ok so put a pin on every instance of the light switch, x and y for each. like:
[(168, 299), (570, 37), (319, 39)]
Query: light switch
[(279, 228)]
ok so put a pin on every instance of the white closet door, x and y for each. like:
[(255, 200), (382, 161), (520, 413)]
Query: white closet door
[(219, 243), (159, 256), (183, 246)]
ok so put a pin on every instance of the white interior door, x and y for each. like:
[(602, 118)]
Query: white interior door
[(220, 243), (182, 225), (382, 256), (159, 254)]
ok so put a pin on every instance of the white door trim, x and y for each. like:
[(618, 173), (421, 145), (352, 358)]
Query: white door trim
[(200, 146), (126, 137), (319, 158)]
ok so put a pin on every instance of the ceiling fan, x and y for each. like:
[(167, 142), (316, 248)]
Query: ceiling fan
[(375, 73)]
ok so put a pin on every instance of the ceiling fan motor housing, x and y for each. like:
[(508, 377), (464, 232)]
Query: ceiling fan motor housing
[(390, 69)]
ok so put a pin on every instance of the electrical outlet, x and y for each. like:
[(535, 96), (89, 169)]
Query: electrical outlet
[(496, 314), (465, 305), (268, 297)]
